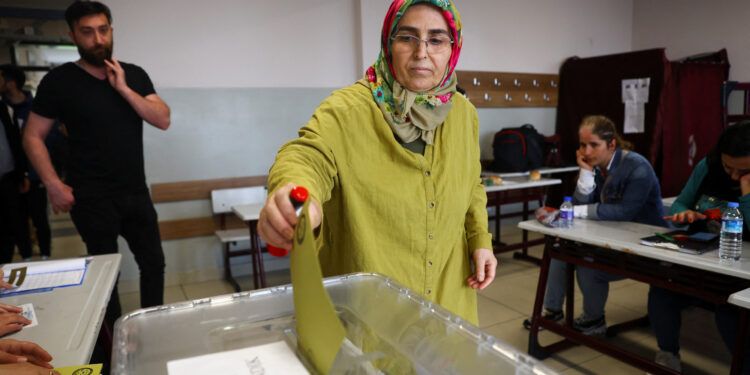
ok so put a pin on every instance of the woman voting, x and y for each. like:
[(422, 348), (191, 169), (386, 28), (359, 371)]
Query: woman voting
[(392, 166)]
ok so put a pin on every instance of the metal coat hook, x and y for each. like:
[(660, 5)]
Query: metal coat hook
[(498, 83), (546, 98), (553, 83), (487, 97), (516, 83), (476, 81), (526, 97), (508, 98), (535, 83)]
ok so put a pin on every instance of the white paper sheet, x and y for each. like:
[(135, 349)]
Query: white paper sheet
[(46, 274), (273, 358), (635, 97)]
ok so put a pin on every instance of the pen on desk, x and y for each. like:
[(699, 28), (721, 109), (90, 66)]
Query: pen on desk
[(664, 236)]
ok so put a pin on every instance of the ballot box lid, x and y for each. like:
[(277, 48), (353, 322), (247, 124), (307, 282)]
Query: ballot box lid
[(394, 328)]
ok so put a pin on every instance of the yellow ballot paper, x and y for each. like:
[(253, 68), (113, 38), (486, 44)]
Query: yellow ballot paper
[(318, 326), (81, 370)]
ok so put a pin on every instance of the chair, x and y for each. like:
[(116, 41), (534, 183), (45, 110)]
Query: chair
[(222, 201)]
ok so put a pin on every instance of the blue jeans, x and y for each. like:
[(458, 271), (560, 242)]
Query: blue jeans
[(594, 285)]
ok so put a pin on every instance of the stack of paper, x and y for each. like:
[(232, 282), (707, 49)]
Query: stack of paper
[(29, 277)]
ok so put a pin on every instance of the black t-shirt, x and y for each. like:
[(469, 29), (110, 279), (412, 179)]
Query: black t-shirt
[(105, 134)]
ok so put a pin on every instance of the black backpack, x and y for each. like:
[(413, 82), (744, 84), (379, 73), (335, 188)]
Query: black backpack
[(518, 149)]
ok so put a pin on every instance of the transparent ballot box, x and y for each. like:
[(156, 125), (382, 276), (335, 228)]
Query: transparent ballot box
[(389, 330)]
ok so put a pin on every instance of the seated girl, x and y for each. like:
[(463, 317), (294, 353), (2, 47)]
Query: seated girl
[(614, 184), (722, 177)]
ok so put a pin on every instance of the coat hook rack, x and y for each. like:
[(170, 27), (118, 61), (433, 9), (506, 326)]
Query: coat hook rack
[(528, 89)]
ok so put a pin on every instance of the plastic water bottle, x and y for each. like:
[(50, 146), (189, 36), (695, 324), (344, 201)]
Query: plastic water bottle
[(566, 213), (730, 242)]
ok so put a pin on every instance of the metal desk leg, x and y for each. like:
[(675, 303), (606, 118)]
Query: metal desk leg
[(253, 253), (228, 268), (739, 345), (534, 348), (256, 246)]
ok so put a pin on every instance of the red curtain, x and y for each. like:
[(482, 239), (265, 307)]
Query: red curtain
[(689, 121)]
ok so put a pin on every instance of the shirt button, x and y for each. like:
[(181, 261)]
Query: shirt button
[(431, 236), (432, 204), (429, 263), (427, 173)]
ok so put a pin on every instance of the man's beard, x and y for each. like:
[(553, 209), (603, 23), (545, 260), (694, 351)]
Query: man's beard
[(96, 55)]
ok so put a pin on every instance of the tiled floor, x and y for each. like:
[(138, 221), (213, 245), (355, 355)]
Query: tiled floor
[(502, 308)]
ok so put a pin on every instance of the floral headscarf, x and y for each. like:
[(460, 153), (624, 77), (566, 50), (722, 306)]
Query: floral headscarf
[(410, 114)]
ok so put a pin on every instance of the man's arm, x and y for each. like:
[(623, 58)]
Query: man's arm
[(151, 108), (37, 127)]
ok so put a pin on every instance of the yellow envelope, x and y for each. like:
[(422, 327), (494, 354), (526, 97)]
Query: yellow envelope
[(81, 370), (318, 326)]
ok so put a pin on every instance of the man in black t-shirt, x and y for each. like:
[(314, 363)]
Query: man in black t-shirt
[(103, 103)]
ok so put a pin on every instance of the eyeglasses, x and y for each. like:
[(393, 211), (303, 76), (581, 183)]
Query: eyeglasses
[(433, 44)]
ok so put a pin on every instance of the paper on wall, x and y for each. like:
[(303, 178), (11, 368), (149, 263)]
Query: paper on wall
[(635, 97)]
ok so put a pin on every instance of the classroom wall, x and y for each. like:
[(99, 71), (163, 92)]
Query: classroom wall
[(242, 76), (689, 27)]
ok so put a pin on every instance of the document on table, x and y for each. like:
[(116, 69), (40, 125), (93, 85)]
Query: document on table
[(273, 358), (30, 277), (94, 369)]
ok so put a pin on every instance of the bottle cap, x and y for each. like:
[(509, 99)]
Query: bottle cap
[(299, 194), (568, 199), (733, 204)]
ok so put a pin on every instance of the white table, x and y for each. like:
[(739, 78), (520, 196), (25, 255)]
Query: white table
[(517, 189), (250, 213), (614, 247), (515, 183), (542, 171), (625, 236), (70, 318)]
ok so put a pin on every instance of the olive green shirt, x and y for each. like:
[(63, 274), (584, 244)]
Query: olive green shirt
[(415, 218)]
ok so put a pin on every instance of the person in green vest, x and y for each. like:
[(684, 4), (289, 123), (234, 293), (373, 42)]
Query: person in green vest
[(392, 166)]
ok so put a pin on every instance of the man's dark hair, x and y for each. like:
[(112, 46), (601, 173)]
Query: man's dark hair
[(82, 8), (13, 73)]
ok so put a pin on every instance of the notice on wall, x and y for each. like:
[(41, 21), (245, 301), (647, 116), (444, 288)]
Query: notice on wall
[(635, 97)]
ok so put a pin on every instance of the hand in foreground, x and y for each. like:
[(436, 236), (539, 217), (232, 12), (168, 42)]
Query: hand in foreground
[(4, 284), (277, 219), (581, 160), (687, 216), (60, 196), (485, 264), (12, 322), (14, 351), (10, 309), (745, 184), (25, 368)]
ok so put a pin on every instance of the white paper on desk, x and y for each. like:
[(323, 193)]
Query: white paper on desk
[(635, 97), (273, 358), (29, 313), (47, 274)]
